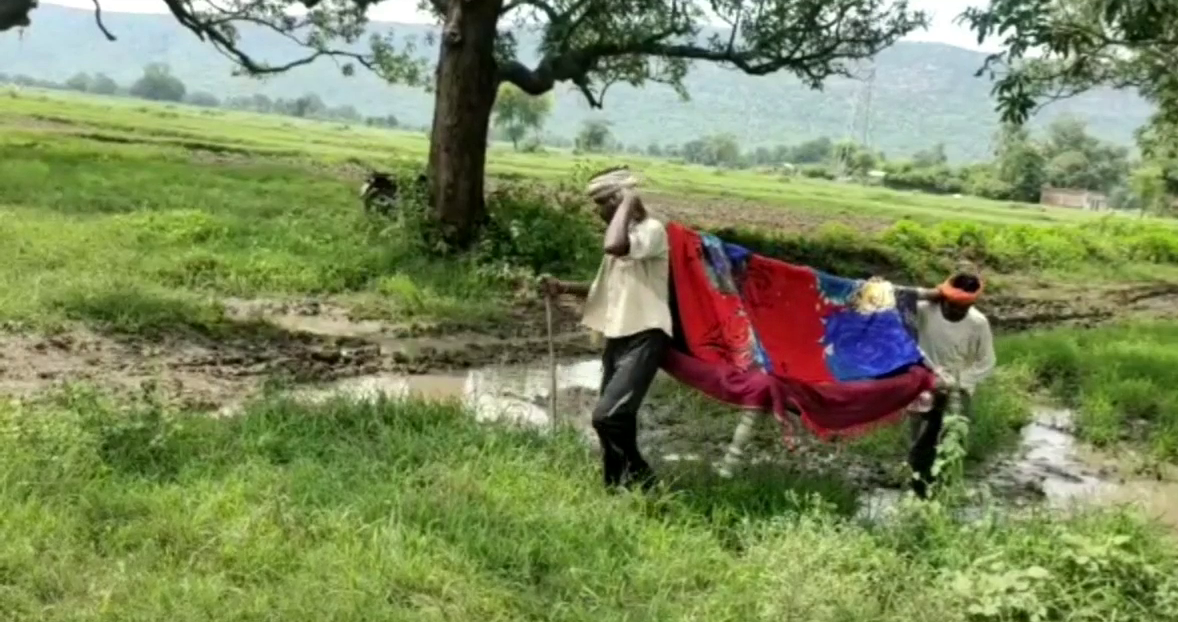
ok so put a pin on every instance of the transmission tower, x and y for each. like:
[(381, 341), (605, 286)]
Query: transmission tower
[(859, 125), (863, 118)]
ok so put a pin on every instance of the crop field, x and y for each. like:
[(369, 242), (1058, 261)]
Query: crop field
[(729, 197), (171, 278)]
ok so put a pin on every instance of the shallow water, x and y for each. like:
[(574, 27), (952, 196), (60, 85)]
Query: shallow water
[(517, 394), (1053, 465), (1048, 458), (1048, 464)]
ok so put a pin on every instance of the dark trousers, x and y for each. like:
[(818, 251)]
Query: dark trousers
[(926, 437), (630, 364)]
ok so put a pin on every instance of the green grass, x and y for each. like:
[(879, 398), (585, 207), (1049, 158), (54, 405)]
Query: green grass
[(1119, 379), (86, 229), (29, 116), (411, 511), (141, 218), (141, 236)]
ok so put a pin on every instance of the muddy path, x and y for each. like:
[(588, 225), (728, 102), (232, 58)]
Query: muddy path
[(1049, 467), (315, 341), (277, 342)]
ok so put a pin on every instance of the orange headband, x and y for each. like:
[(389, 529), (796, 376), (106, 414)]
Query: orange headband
[(958, 296)]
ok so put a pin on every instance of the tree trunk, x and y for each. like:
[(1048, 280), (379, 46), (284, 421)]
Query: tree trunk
[(465, 93)]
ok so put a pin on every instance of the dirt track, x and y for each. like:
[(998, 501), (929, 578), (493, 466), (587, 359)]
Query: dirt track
[(314, 342), (709, 212)]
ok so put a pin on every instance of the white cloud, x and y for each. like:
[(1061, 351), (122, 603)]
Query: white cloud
[(942, 29)]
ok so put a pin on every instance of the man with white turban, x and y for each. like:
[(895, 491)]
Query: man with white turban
[(628, 303)]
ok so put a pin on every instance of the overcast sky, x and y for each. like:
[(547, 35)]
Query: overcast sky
[(942, 29)]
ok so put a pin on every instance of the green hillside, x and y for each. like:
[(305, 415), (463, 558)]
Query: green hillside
[(924, 93)]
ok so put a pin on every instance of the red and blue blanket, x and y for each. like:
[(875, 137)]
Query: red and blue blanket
[(763, 334)]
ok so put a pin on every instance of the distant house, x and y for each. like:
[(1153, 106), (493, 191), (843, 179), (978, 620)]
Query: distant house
[(1073, 198)]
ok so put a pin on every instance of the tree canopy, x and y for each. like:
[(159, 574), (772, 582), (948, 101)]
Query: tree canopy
[(590, 44), (1059, 48), (158, 83), (517, 112)]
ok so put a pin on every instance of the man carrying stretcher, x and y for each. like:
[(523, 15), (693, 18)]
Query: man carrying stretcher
[(957, 344), (628, 304)]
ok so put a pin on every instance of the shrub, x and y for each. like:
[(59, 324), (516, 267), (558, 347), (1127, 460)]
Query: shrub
[(540, 231)]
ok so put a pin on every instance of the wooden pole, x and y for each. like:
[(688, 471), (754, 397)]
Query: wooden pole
[(551, 362)]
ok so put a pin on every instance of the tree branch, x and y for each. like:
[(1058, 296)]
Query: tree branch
[(810, 38), (541, 5), (98, 21), (219, 27), (15, 13)]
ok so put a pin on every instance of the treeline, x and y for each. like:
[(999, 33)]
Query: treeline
[(158, 83), (1064, 155)]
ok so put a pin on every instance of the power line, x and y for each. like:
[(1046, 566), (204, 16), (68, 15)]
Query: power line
[(859, 124)]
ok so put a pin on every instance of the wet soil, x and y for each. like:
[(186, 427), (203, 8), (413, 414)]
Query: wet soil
[(1048, 467), (316, 341)]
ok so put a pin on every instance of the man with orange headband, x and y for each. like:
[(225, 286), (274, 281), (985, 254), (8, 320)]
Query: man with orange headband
[(957, 343)]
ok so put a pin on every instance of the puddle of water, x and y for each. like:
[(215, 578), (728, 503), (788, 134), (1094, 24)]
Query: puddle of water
[(1046, 461), (1049, 460), (517, 394)]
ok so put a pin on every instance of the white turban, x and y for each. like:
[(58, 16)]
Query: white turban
[(610, 183)]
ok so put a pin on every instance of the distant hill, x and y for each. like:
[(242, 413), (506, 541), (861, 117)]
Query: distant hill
[(923, 93)]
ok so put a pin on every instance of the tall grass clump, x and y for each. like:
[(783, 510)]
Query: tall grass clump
[(396, 510), (911, 252), (1120, 380)]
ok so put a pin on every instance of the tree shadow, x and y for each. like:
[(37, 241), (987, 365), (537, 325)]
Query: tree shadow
[(195, 332)]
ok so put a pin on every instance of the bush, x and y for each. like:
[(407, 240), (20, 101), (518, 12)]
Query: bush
[(540, 231), (835, 248), (816, 171), (916, 253), (931, 179), (530, 230)]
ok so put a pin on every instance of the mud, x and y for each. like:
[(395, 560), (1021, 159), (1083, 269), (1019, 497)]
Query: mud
[(1049, 467), (312, 341), (1029, 306)]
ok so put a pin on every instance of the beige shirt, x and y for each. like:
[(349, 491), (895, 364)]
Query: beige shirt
[(961, 353), (630, 293)]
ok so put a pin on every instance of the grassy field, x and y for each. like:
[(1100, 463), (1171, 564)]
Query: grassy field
[(407, 511), (136, 215), (179, 129), (125, 225), (1118, 378)]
